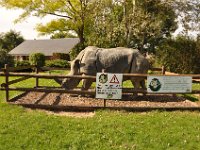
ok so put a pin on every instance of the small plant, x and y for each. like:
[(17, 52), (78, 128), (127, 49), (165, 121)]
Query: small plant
[(22, 63), (5, 58), (37, 59), (57, 63), (61, 56)]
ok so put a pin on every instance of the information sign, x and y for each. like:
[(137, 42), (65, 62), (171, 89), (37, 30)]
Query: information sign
[(169, 84), (109, 86)]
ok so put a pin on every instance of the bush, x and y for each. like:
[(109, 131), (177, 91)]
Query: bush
[(5, 58), (61, 56), (57, 63), (76, 50), (37, 59), (180, 55), (22, 63)]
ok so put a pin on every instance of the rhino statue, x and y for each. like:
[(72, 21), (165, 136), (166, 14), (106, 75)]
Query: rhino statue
[(114, 60)]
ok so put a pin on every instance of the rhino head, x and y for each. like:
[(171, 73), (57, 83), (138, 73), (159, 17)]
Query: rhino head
[(71, 83)]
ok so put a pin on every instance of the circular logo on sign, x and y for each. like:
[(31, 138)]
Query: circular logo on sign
[(103, 78), (155, 84)]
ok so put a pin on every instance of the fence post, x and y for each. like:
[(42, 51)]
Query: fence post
[(6, 72), (36, 79), (163, 70), (104, 100)]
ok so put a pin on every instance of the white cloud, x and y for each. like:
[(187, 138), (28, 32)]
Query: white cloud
[(26, 28)]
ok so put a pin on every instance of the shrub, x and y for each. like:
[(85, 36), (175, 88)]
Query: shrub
[(5, 58), (76, 50), (22, 63), (180, 55), (37, 59), (61, 56), (57, 63)]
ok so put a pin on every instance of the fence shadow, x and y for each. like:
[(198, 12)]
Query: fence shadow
[(155, 98)]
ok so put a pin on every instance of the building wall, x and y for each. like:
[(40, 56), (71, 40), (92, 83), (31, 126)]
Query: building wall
[(22, 58)]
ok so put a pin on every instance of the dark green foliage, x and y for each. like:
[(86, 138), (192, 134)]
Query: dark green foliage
[(10, 40), (61, 56), (62, 34), (76, 50), (136, 24), (37, 59), (57, 63), (180, 55), (5, 58), (22, 63)]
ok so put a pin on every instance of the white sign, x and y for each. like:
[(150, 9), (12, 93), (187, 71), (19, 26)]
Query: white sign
[(109, 86), (166, 84)]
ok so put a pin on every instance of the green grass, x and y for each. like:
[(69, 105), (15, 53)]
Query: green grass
[(21, 128)]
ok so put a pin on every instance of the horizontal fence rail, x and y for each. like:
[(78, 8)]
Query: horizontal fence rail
[(51, 68), (8, 72), (194, 76), (13, 69)]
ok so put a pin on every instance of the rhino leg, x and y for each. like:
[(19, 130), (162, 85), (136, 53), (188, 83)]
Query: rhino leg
[(142, 84), (137, 83), (86, 85), (59, 81)]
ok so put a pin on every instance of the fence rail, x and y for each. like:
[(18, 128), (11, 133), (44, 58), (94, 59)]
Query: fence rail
[(8, 72)]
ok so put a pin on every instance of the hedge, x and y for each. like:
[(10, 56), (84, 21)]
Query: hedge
[(57, 63), (37, 59)]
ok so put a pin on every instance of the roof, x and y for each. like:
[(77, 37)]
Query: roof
[(47, 47)]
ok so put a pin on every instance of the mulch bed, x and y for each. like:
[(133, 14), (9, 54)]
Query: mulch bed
[(56, 99)]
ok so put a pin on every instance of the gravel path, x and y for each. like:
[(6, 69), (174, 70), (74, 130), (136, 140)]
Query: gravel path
[(127, 101)]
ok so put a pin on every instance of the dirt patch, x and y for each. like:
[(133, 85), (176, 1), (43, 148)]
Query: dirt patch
[(56, 99), (64, 113), (71, 114)]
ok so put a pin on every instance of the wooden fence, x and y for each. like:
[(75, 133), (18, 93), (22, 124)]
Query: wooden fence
[(11, 72)]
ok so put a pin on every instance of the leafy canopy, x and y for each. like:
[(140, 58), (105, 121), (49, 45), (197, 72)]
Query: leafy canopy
[(180, 55), (142, 24), (10, 40)]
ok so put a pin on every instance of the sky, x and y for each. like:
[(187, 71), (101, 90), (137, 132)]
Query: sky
[(26, 28)]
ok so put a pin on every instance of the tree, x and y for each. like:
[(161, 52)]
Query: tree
[(180, 55), (189, 14), (10, 40), (141, 24), (5, 58), (72, 14), (37, 59)]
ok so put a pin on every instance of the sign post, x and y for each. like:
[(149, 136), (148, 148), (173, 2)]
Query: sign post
[(109, 86), (169, 84)]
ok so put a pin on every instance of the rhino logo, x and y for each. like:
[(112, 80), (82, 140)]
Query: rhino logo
[(155, 85), (103, 78)]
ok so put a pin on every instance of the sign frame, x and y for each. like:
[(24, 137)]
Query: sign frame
[(169, 84), (109, 85)]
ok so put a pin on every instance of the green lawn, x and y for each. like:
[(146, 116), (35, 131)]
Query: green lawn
[(24, 129), (21, 128)]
